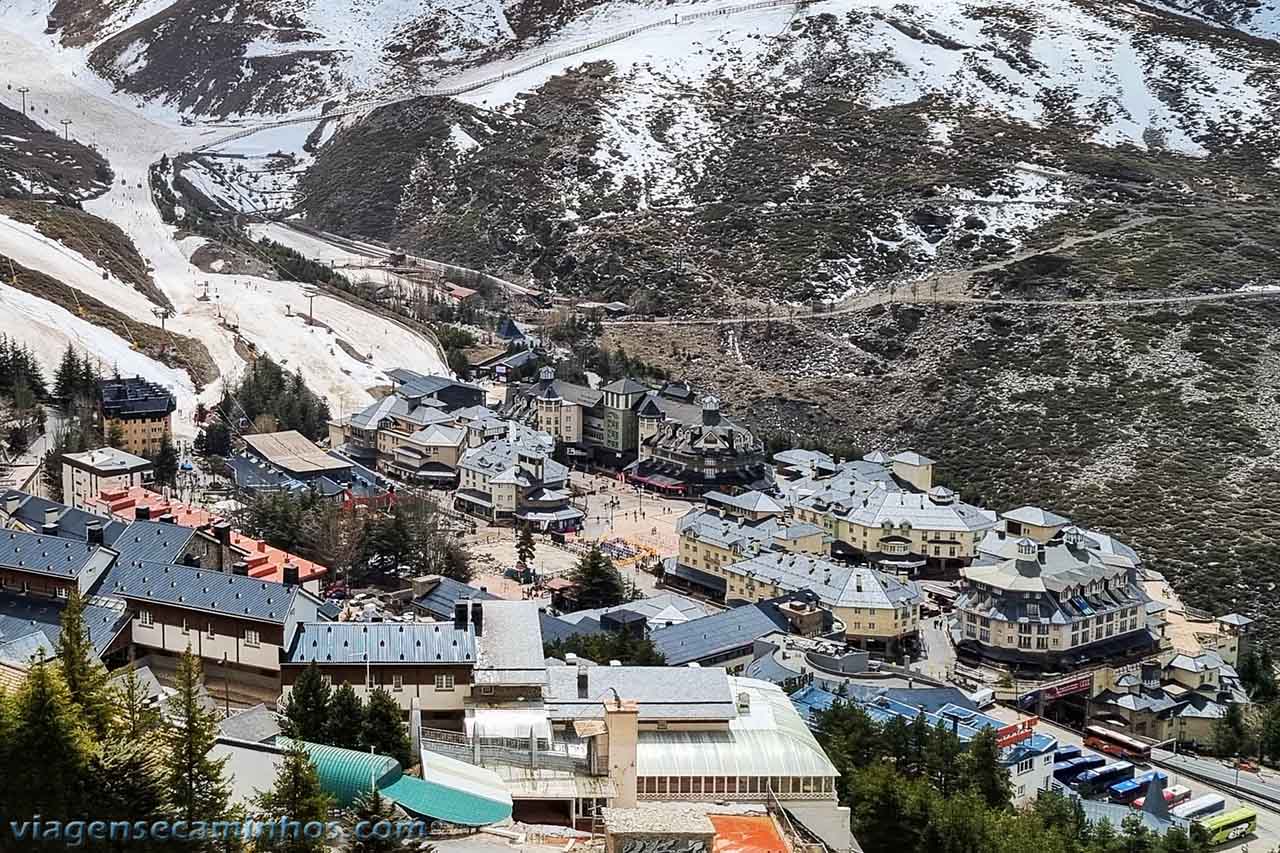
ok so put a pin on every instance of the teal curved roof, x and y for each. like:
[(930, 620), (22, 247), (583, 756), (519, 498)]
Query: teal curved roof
[(453, 791), (346, 773)]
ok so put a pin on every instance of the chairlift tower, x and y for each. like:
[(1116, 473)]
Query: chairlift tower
[(162, 314), (311, 292)]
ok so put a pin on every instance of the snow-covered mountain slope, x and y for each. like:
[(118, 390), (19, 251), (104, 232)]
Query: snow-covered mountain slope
[(808, 153), (259, 56), (1256, 17), (258, 311)]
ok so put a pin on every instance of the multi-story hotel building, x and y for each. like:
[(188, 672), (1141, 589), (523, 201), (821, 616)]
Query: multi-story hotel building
[(1048, 594)]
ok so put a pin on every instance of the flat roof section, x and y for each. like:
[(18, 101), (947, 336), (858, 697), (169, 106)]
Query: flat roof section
[(293, 452)]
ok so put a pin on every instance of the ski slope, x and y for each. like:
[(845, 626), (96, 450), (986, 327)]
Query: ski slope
[(132, 138)]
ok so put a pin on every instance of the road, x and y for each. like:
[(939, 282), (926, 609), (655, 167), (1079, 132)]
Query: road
[(1251, 784), (1267, 836)]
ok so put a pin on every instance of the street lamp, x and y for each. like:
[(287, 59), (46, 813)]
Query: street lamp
[(22, 90)]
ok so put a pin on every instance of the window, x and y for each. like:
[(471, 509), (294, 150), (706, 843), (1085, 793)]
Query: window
[(444, 681), (250, 637), (397, 682), (145, 618), (1042, 628), (210, 632), (62, 592), (327, 680), (1024, 641), (1042, 642), (1025, 765), (186, 629)]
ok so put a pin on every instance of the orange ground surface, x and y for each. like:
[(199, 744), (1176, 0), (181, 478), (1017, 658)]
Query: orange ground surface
[(746, 834)]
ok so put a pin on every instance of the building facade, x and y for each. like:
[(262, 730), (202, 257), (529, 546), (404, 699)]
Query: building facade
[(517, 482), (886, 511), (139, 411), (85, 475), (416, 403), (1055, 602)]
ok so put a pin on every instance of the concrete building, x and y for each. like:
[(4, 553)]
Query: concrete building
[(519, 483), (657, 436), (288, 461), (885, 511), (728, 638), (1051, 596), (424, 663), (733, 528), (225, 618), (416, 402), (140, 410), (879, 612), (86, 474)]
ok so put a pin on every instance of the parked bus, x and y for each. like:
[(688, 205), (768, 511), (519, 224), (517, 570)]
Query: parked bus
[(1065, 771), (1093, 782), (1066, 753), (1129, 790), (1172, 796), (1230, 826), (1115, 743), (1199, 807)]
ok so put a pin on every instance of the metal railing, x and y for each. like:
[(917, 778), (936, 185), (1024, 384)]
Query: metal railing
[(533, 753)]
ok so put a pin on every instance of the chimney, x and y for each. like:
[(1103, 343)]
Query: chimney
[(93, 532), (168, 518), (1150, 675), (460, 611), (51, 514), (477, 617), (582, 681), (290, 573), (11, 502), (222, 533), (142, 513), (622, 725), (240, 567)]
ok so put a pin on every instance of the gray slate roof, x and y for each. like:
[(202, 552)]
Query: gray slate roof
[(31, 512), (54, 556), (440, 601), (835, 583), (690, 693), (382, 642), (29, 624), (153, 541), (204, 590), (256, 725), (716, 634)]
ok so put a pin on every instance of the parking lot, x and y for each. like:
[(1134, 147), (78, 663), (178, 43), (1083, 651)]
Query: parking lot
[(1267, 836)]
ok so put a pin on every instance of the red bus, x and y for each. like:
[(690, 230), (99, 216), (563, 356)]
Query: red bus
[(1114, 743)]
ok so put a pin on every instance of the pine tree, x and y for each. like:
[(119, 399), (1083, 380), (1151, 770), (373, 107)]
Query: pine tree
[(166, 462), (598, 583), (525, 548), (369, 809), (306, 712), (384, 729), (53, 748), (986, 775), (127, 775), (196, 784), (136, 716), (83, 673), (66, 382), (296, 796), (346, 718)]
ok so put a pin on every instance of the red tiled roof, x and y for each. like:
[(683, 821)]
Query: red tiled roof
[(264, 561)]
